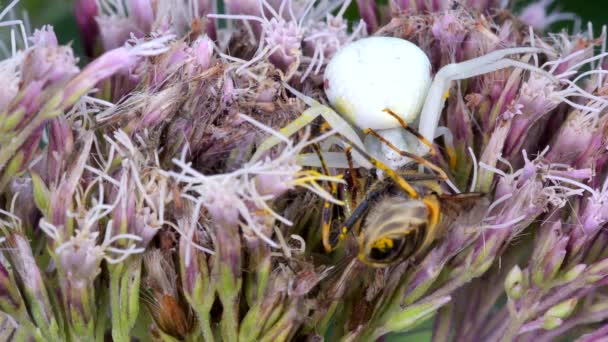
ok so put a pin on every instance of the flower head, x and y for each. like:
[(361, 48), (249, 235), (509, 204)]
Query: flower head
[(536, 14)]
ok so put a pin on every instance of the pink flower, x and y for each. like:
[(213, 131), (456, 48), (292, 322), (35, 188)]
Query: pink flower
[(536, 14), (85, 12)]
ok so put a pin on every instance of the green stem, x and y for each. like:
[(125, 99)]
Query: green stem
[(118, 330), (100, 319), (443, 323), (230, 318), (205, 322), (512, 330)]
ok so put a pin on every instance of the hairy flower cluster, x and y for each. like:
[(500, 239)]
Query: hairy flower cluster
[(139, 197)]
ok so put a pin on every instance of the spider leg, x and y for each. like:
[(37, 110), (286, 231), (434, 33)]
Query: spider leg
[(438, 92), (492, 57), (316, 109), (327, 210), (335, 160), (300, 122), (330, 241), (399, 180), (442, 175), (404, 125), (448, 140)]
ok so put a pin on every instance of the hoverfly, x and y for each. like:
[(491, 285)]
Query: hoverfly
[(390, 226), (400, 216)]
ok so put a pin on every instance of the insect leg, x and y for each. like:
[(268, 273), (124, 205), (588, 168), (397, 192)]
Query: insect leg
[(328, 207), (352, 180), (359, 211)]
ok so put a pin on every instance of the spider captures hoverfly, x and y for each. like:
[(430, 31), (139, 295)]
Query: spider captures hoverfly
[(379, 86), (398, 217)]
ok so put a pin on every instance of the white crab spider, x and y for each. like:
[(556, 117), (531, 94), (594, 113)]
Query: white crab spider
[(373, 74)]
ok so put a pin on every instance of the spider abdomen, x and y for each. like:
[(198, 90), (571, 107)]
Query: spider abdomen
[(370, 75)]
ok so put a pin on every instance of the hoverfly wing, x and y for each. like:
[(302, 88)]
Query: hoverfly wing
[(455, 205), (463, 215)]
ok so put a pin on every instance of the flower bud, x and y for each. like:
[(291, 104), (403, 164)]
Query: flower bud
[(11, 77), (142, 13), (119, 60), (409, 316), (549, 255), (46, 61), (202, 50), (265, 312), (449, 31), (85, 12), (597, 271), (25, 205), (286, 38), (550, 322), (367, 11), (61, 146), (171, 315), (574, 273), (81, 257), (572, 139), (563, 309), (221, 207), (535, 99), (514, 283), (274, 185), (194, 274), (10, 298), (115, 30), (594, 213), (288, 322), (34, 289)]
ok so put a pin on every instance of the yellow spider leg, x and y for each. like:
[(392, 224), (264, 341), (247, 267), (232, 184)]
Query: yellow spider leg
[(327, 210), (412, 156), (304, 119), (405, 126), (403, 184), (328, 114)]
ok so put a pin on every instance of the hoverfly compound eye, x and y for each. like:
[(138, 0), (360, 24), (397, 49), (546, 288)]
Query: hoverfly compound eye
[(373, 74), (386, 249)]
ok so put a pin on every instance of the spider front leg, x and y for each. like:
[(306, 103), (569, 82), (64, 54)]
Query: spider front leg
[(335, 121), (439, 90)]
